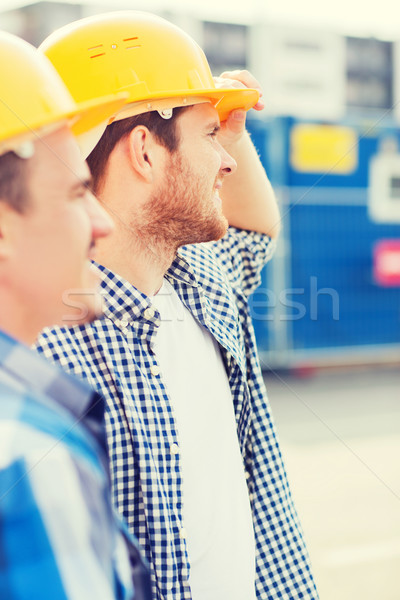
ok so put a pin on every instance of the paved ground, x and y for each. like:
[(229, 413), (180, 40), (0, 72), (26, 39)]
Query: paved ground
[(340, 435)]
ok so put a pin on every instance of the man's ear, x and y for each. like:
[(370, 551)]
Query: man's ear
[(141, 152)]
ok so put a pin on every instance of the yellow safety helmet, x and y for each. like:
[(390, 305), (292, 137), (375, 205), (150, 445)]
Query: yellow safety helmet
[(34, 100), (157, 63)]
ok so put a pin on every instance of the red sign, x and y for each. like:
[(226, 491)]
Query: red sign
[(387, 263)]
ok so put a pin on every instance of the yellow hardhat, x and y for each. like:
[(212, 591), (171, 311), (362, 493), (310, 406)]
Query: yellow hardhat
[(33, 99), (157, 63)]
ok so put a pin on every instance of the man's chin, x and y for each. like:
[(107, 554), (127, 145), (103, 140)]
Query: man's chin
[(223, 222), (217, 229), (218, 201)]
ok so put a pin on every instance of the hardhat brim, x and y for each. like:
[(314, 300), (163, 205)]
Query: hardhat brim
[(225, 100), (91, 113), (83, 117)]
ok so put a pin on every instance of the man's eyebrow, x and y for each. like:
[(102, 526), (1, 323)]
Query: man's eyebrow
[(84, 182), (214, 125)]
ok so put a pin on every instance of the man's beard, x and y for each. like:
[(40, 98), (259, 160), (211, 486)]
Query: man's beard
[(178, 213)]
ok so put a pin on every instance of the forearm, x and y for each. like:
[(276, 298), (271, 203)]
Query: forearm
[(247, 196)]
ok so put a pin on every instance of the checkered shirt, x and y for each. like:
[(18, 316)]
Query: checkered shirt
[(59, 536), (116, 354)]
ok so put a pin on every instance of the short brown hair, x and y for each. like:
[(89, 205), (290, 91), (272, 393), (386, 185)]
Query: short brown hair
[(13, 189), (164, 130)]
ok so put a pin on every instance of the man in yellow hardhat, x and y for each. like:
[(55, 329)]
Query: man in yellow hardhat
[(58, 536), (196, 467)]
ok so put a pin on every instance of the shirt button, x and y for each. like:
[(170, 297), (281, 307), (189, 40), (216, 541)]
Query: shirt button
[(149, 313), (174, 448), (155, 370), (124, 323), (182, 533)]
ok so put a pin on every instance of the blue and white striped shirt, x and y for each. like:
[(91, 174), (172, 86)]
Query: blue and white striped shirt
[(59, 537), (116, 355)]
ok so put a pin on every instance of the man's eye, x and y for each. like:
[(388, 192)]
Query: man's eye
[(81, 193)]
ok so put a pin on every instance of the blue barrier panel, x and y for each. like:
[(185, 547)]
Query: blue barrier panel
[(329, 299)]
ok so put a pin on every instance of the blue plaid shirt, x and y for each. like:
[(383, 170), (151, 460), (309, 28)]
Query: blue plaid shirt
[(116, 355), (59, 538)]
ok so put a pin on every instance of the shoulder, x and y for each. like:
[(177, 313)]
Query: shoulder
[(34, 427), (63, 346), (237, 258)]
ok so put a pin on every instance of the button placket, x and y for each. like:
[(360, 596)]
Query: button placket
[(174, 448), (149, 313), (123, 325), (155, 370)]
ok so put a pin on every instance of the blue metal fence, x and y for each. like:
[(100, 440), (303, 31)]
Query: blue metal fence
[(318, 297)]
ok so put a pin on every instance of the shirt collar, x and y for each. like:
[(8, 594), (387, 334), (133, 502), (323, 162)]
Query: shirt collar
[(182, 271), (122, 299), (34, 373)]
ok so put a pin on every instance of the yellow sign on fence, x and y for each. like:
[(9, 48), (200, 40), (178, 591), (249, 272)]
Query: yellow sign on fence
[(323, 149)]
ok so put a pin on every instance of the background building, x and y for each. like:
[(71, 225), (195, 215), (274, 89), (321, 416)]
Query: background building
[(330, 142)]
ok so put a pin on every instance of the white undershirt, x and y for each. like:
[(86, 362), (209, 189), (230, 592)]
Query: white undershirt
[(216, 507)]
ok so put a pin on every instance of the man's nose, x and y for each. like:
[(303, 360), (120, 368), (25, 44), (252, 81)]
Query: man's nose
[(102, 224), (228, 163)]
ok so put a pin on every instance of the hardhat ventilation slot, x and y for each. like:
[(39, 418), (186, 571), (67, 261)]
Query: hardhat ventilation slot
[(96, 48), (132, 39)]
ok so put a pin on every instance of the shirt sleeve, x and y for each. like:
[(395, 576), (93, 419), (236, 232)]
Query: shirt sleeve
[(55, 535), (243, 254)]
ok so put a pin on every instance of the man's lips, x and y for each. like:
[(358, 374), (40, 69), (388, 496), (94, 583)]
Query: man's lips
[(218, 184)]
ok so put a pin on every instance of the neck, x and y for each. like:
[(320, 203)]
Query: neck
[(17, 320), (138, 257)]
